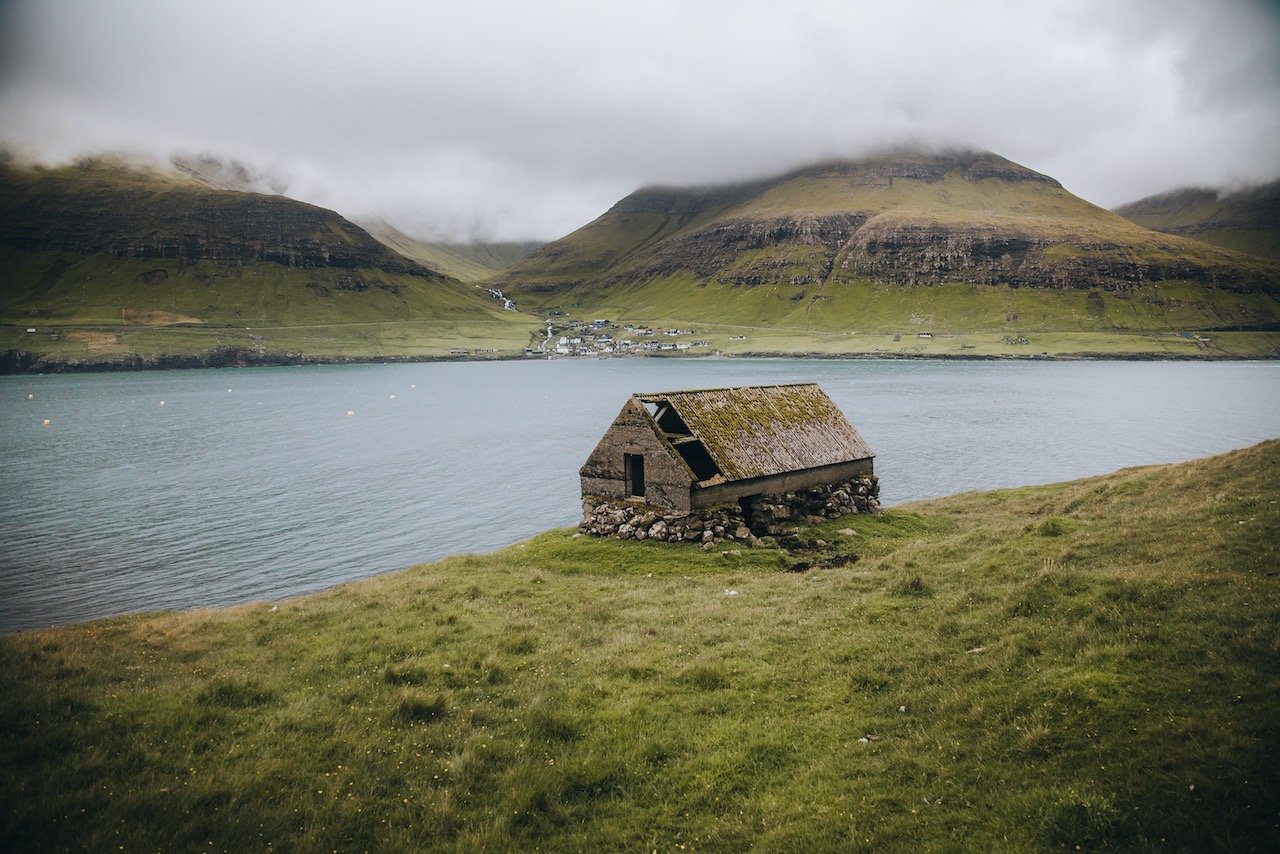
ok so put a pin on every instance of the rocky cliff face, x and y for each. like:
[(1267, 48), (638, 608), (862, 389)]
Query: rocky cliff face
[(931, 254), (714, 251), (816, 249)]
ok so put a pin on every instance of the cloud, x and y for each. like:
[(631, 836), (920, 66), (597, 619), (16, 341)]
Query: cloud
[(516, 120)]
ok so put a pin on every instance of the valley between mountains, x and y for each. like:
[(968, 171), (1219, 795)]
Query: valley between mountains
[(110, 264)]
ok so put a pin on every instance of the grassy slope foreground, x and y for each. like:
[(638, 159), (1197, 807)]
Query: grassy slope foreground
[(108, 262), (855, 256), (1088, 664)]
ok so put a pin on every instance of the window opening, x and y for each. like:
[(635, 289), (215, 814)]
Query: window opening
[(633, 467)]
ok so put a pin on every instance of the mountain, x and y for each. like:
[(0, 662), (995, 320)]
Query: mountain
[(1246, 220), (471, 262), (221, 173), (99, 251), (957, 241), (466, 262)]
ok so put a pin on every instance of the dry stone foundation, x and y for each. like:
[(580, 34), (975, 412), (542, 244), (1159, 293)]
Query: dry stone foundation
[(748, 520)]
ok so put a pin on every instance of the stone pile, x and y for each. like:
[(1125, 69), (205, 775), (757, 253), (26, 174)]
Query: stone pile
[(776, 514), (629, 521), (760, 515)]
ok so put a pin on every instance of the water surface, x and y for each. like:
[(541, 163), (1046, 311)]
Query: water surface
[(257, 484)]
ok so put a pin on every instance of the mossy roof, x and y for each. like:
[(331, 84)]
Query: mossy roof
[(756, 431)]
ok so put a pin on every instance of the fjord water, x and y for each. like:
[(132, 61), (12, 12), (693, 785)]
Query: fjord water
[(199, 488)]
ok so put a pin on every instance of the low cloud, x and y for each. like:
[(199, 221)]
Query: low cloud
[(514, 120)]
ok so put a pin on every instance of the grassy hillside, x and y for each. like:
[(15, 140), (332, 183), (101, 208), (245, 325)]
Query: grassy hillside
[(1245, 220), (962, 243), (1086, 665), (466, 262), (109, 261)]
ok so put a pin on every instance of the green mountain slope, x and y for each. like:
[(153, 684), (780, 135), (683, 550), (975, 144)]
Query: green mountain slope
[(1088, 665), (956, 243), (106, 260), (466, 262), (1244, 220)]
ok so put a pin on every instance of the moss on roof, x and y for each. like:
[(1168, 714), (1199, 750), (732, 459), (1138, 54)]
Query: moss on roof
[(755, 431)]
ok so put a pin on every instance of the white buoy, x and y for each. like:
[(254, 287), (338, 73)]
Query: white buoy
[(228, 391), (350, 412), (47, 422), (31, 397), (413, 385), (393, 397), (162, 403)]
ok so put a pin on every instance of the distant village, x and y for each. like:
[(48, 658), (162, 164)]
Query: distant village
[(601, 337)]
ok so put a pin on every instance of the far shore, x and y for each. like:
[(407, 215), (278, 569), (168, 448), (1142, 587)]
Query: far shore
[(17, 362)]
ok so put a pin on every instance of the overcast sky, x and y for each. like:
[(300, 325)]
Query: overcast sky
[(514, 120)]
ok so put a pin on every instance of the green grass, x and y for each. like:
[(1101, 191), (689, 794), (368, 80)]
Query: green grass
[(860, 317), (1088, 664), (101, 289), (97, 311), (102, 345)]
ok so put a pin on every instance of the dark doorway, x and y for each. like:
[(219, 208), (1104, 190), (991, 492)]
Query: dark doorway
[(633, 465)]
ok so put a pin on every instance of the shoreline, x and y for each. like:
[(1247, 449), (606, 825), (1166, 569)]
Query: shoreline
[(24, 363), (572, 532)]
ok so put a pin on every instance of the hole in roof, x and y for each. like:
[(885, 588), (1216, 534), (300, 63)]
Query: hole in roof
[(700, 462), (671, 423)]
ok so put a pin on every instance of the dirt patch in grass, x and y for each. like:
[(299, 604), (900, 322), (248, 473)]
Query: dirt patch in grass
[(138, 317), (96, 342)]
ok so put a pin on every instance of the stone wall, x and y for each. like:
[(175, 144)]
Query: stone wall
[(775, 514), (750, 519), (667, 478)]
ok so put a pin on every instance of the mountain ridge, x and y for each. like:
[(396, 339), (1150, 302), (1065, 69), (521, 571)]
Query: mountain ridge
[(95, 205), (1246, 220), (963, 253), (949, 217)]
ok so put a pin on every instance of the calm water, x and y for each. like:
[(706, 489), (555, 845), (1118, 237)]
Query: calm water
[(256, 484)]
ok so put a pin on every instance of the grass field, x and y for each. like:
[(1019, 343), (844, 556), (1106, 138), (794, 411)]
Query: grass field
[(100, 312), (476, 336), (761, 341), (852, 318), (1090, 664)]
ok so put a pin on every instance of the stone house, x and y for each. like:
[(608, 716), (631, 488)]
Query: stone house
[(757, 457)]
